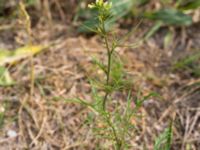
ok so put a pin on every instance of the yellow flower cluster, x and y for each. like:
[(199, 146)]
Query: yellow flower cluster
[(101, 5)]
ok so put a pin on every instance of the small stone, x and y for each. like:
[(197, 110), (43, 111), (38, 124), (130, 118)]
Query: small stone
[(2, 109), (11, 134)]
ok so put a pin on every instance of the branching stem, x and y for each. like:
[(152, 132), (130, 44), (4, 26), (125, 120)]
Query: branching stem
[(109, 59), (117, 140)]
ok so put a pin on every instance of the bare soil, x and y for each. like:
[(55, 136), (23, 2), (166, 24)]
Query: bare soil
[(43, 122)]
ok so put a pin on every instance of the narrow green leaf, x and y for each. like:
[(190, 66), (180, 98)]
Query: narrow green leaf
[(168, 39), (153, 30), (5, 78), (188, 5), (187, 61), (78, 100), (170, 17), (100, 65), (139, 102), (163, 142)]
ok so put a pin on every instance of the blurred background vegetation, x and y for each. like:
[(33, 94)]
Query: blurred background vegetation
[(161, 12), (170, 14)]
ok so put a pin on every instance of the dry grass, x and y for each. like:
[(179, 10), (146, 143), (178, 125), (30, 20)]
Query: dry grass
[(43, 122)]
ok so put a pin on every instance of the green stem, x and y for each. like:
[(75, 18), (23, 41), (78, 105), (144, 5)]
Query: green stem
[(109, 56), (117, 140), (109, 61)]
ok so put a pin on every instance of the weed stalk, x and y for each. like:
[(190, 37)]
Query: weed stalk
[(25, 16)]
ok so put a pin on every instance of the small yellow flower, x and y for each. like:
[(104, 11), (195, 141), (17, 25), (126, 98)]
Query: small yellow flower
[(99, 2), (107, 5), (91, 5)]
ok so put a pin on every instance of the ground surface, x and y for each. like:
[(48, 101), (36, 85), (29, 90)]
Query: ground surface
[(43, 122)]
